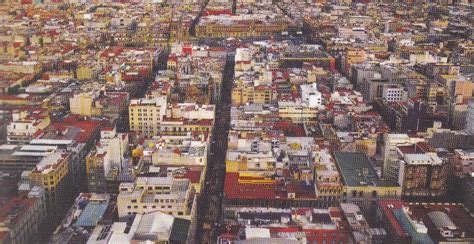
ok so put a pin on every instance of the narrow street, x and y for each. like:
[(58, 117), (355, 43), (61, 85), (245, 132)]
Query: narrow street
[(210, 201), (192, 29)]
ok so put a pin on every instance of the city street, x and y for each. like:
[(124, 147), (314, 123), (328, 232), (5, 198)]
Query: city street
[(210, 201)]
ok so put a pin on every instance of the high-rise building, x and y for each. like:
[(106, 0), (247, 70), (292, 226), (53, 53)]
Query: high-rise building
[(391, 162), (423, 175), (107, 157), (52, 175), (21, 216), (470, 117), (145, 115)]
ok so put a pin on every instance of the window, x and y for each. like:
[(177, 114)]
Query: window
[(374, 194), (354, 193)]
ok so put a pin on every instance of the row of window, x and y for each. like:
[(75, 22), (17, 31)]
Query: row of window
[(146, 206), (179, 213)]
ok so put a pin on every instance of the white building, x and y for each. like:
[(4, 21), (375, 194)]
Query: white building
[(311, 95), (153, 227), (394, 93), (390, 153), (115, 144), (24, 125)]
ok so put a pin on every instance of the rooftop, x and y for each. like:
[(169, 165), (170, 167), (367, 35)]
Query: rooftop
[(357, 170)]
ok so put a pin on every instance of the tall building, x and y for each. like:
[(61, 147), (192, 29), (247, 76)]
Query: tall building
[(391, 163), (107, 157), (52, 175), (82, 104), (470, 117), (394, 93), (145, 115), (463, 171), (21, 216), (353, 56), (458, 113), (423, 175), (373, 88)]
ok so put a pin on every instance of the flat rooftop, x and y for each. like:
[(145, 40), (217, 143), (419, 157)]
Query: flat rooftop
[(357, 170)]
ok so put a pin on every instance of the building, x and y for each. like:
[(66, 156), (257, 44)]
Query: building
[(449, 139), (390, 153), (22, 216), (328, 182), (25, 125), (311, 95), (360, 230), (155, 226), (462, 169), (175, 151), (166, 194), (244, 94), (73, 137), (99, 103), (394, 93), (423, 175), (470, 117), (353, 56), (88, 211), (401, 224), (458, 113), (145, 115), (362, 185), (444, 223), (52, 174), (373, 88), (108, 156), (81, 104), (395, 231), (284, 225)]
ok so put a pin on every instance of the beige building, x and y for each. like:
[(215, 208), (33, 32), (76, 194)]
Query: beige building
[(82, 104), (145, 115), (148, 194), (21, 67), (297, 111)]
